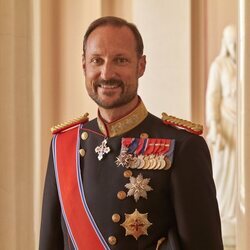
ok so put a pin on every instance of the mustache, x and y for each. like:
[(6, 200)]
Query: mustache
[(109, 82)]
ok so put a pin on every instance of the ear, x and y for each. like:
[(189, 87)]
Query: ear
[(141, 66), (83, 64)]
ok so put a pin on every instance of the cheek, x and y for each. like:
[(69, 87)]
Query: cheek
[(91, 73), (129, 75)]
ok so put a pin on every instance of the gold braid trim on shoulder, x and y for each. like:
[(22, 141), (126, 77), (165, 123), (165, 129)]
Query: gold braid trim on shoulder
[(187, 125), (62, 126)]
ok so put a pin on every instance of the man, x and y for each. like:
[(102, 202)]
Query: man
[(127, 179)]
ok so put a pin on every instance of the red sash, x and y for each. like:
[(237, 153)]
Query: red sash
[(79, 221)]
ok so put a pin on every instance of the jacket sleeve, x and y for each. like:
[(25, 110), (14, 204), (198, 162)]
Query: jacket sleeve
[(194, 197), (51, 236)]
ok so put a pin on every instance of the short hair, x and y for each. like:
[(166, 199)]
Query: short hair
[(116, 22)]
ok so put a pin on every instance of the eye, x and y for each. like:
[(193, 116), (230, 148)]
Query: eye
[(96, 60), (121, 60)]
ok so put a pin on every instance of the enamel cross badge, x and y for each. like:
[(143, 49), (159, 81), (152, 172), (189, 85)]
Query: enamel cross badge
[(102, 149)]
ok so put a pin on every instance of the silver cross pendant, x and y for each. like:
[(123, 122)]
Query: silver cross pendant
[(102, 149)]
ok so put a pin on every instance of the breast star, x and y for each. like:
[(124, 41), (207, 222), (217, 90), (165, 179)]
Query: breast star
[(136, 224), (138, 187)]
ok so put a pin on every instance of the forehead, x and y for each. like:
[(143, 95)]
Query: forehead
[(111, 39)]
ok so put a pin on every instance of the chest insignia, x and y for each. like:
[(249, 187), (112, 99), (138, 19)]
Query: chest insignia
[(146, 153), (138, 187), (102, 149), (136, 224)]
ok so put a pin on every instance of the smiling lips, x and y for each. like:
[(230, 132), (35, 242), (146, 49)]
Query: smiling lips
[(109, 83), (105, 86)]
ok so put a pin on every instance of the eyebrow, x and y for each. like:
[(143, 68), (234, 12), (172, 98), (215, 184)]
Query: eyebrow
[(95, 54), (119, 54)]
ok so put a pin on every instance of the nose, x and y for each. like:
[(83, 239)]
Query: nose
[(107, 71)]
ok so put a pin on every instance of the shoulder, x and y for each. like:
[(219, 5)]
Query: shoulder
[(69, 124), (179, 123)]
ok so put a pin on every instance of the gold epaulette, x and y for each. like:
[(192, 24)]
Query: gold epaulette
[(187, 125), (60, 127)]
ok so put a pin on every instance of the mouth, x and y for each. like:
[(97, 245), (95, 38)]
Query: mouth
[(109, 85)]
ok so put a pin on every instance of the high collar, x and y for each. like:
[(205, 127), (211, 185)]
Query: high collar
[(124, 124)]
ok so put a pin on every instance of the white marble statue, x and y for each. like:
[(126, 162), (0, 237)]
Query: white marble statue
[(221, 122)]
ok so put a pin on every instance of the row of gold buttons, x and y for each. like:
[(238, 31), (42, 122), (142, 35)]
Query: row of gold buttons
[(121, 195), (84, 137)]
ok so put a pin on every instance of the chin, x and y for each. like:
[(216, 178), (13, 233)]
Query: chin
[(111, 102), (109, 105)]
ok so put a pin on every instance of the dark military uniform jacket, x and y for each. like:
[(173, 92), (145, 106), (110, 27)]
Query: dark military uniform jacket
[(180, 199)]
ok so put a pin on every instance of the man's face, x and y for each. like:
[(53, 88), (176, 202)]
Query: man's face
[(112, 67)]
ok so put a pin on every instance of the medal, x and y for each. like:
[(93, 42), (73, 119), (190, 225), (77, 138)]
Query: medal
[(146, 153), (136, 224), (102, 149), (138, 187)]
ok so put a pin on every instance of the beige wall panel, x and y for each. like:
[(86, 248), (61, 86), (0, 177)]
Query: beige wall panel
[(243, 226), (165, 27), (198, 52), (208, 21), (16, 178), (23, 147), (219, 15), (120, 8), (73, 98), (7, 135), (48, 97), (7, 158)]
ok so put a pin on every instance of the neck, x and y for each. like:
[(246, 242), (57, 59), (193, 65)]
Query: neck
[(134, 116), (111, 115)]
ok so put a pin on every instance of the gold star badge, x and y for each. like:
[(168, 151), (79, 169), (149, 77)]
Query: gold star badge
[(136, 224), (138, 187)]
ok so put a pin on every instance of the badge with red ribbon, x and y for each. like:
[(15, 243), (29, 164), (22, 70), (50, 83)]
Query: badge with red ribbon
[(146, 153)]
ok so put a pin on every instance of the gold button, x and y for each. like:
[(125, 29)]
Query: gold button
[(82, 152), (116, 218), (121, 195), (112, 240), (84, 135), (144, 135), (127, 173)]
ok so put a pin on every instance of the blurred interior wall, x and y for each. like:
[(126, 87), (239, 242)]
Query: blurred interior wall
[(16, 105), (166, 29), (208, 19), (243, 218)]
